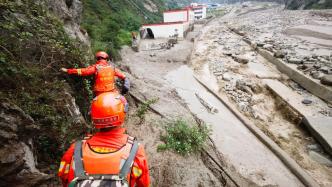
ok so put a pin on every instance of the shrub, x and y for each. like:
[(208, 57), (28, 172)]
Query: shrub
[(143, 108), (184, 138)]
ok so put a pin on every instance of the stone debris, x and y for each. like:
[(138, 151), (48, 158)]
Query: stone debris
[(280, 40), (226, 77), (268, 47), (207, 105), (326, 80), (241, 59), (294, 60), (306, 101), (279, 54)]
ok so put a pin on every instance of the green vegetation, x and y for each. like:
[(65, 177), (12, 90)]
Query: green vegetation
[(144, 107), (326, 5), (109, 23), (33, 47), (184, 138), (308, 4)]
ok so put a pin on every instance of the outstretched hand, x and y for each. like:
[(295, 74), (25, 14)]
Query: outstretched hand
[(64, 69)]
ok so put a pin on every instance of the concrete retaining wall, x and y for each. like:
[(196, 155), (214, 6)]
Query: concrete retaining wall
[(315, 87), (312, 86)]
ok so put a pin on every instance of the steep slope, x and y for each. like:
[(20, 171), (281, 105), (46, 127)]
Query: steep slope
[(38, 107)]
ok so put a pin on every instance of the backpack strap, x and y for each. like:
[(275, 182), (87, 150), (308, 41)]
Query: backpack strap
[(128, 163), (79, 168)]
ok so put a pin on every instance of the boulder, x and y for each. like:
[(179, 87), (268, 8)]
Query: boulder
[(260, 44), (228, 53), (279, 54), (241, 59), (324, 69), (241, 85), (253, 45), (294, 60), (326, 80), (316, 74), (226, 77), (268, 46), (306, 101)]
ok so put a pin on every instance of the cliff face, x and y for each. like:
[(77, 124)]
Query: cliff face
[(42, 110), (70, 12), (39, 114)]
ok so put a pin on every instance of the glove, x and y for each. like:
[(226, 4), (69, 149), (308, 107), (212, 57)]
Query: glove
[(64, 70), (125, 86)]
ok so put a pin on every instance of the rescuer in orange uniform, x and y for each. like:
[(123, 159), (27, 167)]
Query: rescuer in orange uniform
[(105, 152), (104, 74)]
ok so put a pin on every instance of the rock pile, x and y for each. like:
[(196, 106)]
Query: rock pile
[(269, 31), (241, 92)]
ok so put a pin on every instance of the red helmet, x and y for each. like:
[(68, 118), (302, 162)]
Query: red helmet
[(101, 55), (108, 109)]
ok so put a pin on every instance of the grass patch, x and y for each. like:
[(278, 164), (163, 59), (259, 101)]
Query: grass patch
[(144, 107), (184, 138)]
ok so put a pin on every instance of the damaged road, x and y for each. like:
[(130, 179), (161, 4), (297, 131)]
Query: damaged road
[(234, 156)]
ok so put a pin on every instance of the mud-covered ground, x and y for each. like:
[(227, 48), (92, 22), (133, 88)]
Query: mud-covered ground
[(147, 70), (220, 57), (241, 74)]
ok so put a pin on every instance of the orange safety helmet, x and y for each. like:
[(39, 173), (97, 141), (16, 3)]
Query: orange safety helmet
[(101, 55), (108, 110)]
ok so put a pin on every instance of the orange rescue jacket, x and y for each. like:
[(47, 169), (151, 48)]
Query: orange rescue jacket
[(104, 75), (113, 142)]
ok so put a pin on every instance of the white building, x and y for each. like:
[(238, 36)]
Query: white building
[(185, 15), (177, 22), (199, 10), (163, 30)]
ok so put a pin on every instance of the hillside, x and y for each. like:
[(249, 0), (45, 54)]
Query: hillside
[(308, 4), (40, 107), (109, 23)]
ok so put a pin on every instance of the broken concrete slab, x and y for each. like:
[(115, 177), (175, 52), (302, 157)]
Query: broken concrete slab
[(261, 71), (321, 129), (313, 86), (293, 99), (327, 80)]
